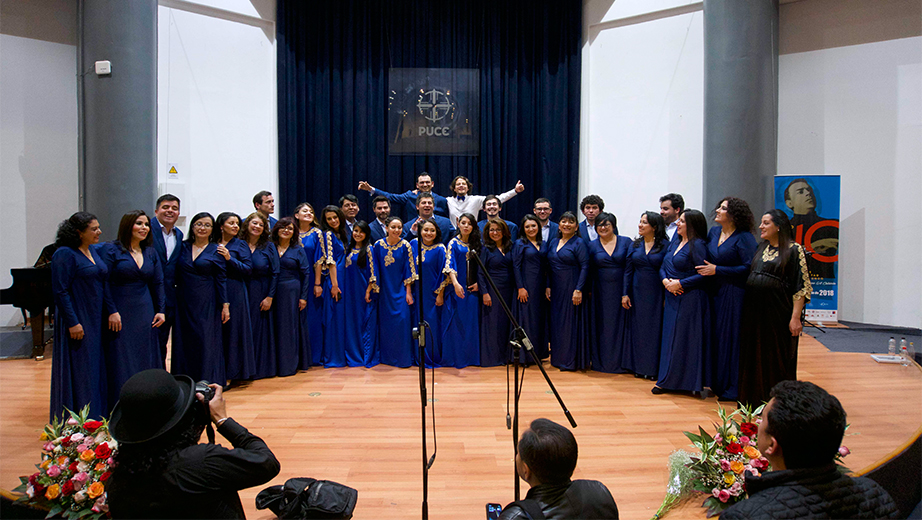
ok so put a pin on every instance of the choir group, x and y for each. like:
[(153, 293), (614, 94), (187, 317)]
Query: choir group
[(249, 298)]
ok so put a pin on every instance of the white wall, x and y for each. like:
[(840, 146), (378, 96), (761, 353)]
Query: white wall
[(217, 106), (856, 111), (643, 108)]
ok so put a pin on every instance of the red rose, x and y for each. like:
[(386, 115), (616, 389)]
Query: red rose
[(103, 451), (735, 448), (33, 478), (67, 488), (38, 489), (749, 429), (65, 441), (92, 426), (105, 476), (73, 467)]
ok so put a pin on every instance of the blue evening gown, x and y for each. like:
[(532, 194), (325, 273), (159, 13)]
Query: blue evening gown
[(609, 321)]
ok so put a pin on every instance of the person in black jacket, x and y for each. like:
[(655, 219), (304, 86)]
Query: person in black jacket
[(546, 460), (800, 433), (161, 471)]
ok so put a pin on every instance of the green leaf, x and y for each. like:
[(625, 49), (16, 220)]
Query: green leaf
[(56, 510), (694, 438)]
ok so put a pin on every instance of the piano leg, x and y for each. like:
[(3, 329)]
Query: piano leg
[(37, 321)]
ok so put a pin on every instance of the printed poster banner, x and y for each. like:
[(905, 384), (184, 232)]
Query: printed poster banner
[(433, 112), (812, 204)]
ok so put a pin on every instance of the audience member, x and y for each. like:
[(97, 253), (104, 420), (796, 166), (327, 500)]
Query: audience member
[(671, 206)]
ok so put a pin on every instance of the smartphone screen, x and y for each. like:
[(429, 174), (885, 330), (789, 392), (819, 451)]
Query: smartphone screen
[(493, 511)]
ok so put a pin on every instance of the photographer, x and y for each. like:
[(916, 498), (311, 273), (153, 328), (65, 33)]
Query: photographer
[(161, 471)]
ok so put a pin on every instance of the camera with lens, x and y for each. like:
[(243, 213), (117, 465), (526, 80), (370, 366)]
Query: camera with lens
[(207, 392)]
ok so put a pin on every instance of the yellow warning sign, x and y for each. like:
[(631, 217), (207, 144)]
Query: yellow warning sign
[(173, 170)]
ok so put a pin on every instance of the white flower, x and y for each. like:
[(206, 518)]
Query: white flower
[(80, 496), (58, 449), (82, 466), (30, 491)]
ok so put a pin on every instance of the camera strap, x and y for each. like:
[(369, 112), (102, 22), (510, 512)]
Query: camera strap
[(209, 430)]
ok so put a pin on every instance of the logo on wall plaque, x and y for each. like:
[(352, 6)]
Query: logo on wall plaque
[(433, 112)]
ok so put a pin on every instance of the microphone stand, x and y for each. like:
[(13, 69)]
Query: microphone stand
[(519, 340), (419, 333)]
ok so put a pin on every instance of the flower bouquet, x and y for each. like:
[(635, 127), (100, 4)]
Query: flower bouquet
[(71, 478)]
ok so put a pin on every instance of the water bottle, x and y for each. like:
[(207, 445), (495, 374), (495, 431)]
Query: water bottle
[(904, 354), (903, 344), (891, 347), (912, 352)]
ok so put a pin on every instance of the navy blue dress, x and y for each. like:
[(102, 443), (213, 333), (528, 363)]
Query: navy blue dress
[(239, 353), (494, 324), (460, 316), (569, 331), (611, 332), (644, 286), (433, 274), (334, 312), (395, 270), (137, 293), (686, 319), (530, 265), (201, 291), (262, 284), (361, 317), (292, 344), (312, 317), (78, 367), (728, 287)]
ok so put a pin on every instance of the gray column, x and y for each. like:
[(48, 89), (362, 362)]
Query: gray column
[(117, 112), (740, 101)]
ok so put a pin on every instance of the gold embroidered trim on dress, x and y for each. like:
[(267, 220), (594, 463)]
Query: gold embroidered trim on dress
[(413, 276), (372, 279), (769, 253), (807, 289)]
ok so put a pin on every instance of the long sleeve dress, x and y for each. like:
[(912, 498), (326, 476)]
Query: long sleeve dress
[(78, 367), (334, 311), (313, 243), (395, 270), (361, 317), (292, 341), (137, 295), (568, 269), (239, 354), (262, 284), (433, 273), (768, 352), (530, 264), (460, 316), (686, 319), (494, 324), (611, 332), (201, 291), (644, 286), (728, 286)]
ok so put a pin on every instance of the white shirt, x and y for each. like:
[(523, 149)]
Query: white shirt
[(471, 204), (670, 229), (546, 231), (170, 240), (590, 230)]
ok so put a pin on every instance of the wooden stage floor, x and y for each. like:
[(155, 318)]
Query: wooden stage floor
[(361, 427)]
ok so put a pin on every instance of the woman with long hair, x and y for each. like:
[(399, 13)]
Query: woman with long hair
[(239, 353), (730, 246), (494, 324), (136, 285), (777, 290), (292, 344), (609, 320), (568, 268), (686, 317), (312, 240), (396, 273), (335, 240), (82, 300), (529, 260), (202, 305), (261, 286), (644, 294), (461, 312), (433, 271), (361, 306)]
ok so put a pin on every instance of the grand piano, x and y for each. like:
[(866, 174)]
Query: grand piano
[(31, 293)]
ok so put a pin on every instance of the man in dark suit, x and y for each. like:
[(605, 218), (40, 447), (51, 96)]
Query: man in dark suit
[(407, 199), (492, 206), (167, 240), (591, 206), (425, 207), (543, 211), (264, 203), (382, 209)]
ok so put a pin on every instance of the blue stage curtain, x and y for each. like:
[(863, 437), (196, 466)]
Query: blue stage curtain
[(333, 61)]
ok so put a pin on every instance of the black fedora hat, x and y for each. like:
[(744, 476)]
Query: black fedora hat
[(150, 403)]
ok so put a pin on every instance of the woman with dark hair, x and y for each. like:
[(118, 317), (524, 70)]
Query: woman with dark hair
[(202, 305), (494, 324), (82, 300), (686, 317), (396, 272), (433, 271), (333, 223), (261, 287), (777, 290), (609, 320), (568, 267), (293, 346), (529, 259), (361, 308), (311, 237), (460, 314), (239, 354), (136, 285), (644, 295), (730, 246)]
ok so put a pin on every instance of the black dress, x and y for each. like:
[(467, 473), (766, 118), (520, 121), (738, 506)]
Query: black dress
[(768, 352)]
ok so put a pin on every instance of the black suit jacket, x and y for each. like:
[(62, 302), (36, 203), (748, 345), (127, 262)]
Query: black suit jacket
[(168, 264)]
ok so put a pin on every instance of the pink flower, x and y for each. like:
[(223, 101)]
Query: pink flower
[(754, 443), (723, 496), (724, 465), (763, 463), (111, 461), (77, 437), (54, 471), (759, 420), (72, 422), (715, 492), (82, 466), (80, 480), (744, 440), (82, 448), (48, 446), (718, 438), (736, 489), (100, 505), (843, 451), (755, 473), (79, 496)]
